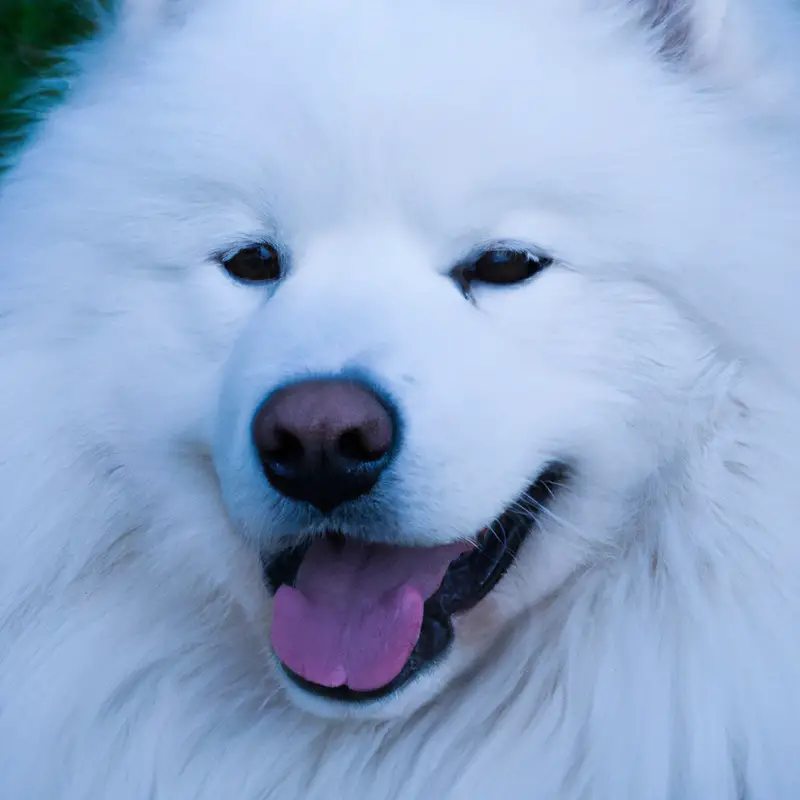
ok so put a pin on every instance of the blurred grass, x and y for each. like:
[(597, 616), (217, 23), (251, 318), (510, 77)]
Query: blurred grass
[(31, 33)]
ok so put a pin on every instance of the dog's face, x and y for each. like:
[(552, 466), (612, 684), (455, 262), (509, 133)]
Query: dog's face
[(406, 236), (438, 409), (375, 413)]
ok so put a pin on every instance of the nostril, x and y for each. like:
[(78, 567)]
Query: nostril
[(286, 450), (356, 445)]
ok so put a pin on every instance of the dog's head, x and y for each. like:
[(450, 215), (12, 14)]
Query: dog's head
[(424, 247)]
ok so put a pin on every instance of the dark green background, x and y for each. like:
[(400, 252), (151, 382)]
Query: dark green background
[(32, 32)]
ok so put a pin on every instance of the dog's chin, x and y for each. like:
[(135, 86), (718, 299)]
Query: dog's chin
[(399, 704), (435, 658)]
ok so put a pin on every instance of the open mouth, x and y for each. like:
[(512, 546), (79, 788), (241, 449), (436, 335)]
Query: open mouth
[(355, 621)]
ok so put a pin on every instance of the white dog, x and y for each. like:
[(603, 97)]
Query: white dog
[(400, 400)]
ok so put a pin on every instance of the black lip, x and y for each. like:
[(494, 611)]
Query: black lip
[(466, 583)]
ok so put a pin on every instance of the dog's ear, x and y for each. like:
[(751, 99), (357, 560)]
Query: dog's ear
[(722, 35), (690, 31), (140, 17), (731, 41)]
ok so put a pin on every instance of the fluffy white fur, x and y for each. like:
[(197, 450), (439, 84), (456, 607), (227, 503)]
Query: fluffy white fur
[(645, 645)]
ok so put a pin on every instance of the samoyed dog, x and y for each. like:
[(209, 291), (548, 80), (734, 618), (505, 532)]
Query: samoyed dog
[(402, 400)]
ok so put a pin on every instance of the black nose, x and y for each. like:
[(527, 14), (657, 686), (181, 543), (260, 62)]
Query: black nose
[(324, 442)]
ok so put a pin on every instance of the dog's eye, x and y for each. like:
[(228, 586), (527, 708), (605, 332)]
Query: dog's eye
[(505, 265), (501, 266), (258, 263)]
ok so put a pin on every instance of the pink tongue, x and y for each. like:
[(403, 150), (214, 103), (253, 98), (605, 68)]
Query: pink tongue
[(355, 613)]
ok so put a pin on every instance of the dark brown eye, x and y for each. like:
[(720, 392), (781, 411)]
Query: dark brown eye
[(258, 263), (505, 265), (500, 266)]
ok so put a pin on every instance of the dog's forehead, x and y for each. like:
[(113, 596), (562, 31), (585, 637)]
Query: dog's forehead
[(267, 115), (377, 80), (370, 103)]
